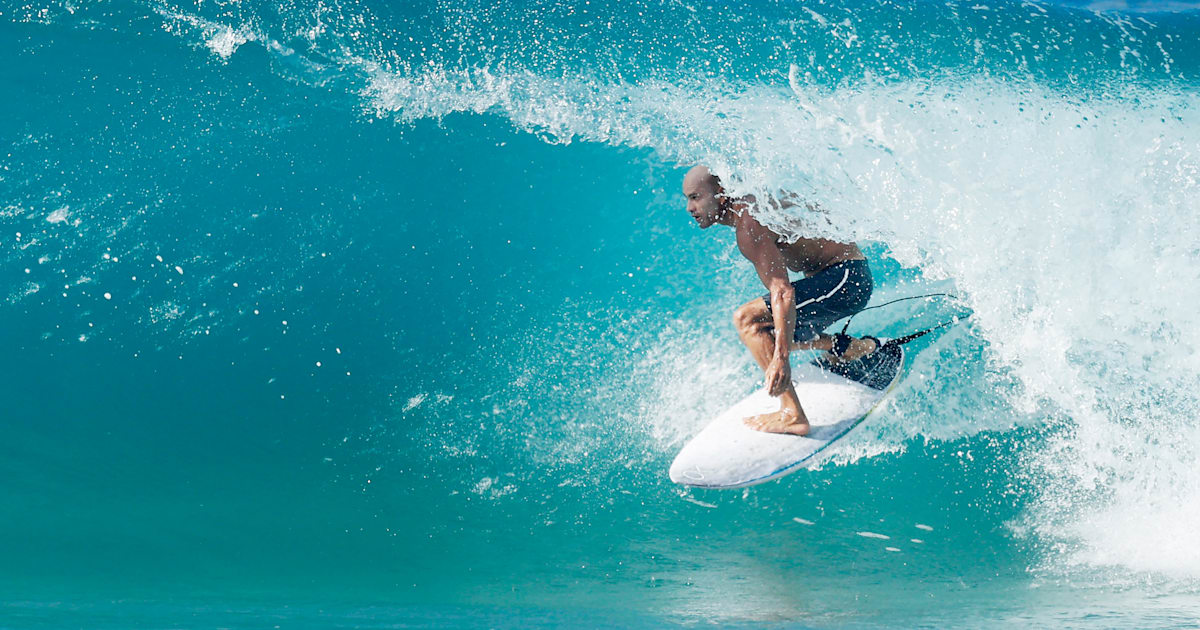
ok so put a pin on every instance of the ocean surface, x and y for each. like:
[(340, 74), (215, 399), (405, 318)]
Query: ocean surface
[(367, 314)]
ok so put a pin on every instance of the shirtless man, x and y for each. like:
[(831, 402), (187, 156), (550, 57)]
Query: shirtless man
[(792, 315)]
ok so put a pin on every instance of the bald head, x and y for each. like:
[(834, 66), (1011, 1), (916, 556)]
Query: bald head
[(699, 175), (705, 197)]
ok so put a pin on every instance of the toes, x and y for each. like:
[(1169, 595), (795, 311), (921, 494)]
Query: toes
[(777, 422), (754, 422)]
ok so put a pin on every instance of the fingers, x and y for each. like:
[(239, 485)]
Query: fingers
[(777, 380)]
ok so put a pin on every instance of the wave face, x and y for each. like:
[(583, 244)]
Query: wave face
[(394, 305)]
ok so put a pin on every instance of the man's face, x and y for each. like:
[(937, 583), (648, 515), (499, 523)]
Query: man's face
[(702, 201)]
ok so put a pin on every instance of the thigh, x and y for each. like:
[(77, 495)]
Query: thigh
[(757, 313), (837, 292), (756, 310)]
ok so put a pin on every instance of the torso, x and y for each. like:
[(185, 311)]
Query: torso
[(812, 255)]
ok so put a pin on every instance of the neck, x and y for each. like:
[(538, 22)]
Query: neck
[(730, 211)]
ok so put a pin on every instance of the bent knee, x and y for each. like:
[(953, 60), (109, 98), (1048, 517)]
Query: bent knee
[(751, 315)]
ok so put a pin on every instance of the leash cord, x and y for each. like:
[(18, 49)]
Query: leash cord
[(899, 341)]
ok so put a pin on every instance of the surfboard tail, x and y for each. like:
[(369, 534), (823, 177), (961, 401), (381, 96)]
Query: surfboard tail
[(876, 370)]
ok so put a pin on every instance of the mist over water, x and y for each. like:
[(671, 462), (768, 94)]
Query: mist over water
[(369, 303)]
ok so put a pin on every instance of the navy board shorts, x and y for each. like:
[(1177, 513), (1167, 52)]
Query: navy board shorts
[(835, 292)]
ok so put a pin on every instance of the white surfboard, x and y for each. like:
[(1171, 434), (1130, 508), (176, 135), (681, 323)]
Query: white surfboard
[(836, 398)]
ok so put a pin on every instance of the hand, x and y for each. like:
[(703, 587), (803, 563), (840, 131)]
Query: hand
[(779, 376)]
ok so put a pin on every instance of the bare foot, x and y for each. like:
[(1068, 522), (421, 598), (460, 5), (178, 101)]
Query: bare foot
[(782, 421), (858, 349)]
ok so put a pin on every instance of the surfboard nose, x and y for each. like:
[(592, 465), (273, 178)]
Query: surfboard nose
[(685, 472)]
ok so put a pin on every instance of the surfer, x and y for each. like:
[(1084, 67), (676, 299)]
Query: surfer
[(792, 315)]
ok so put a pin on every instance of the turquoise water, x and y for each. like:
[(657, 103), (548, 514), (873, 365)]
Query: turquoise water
[(365, 314)]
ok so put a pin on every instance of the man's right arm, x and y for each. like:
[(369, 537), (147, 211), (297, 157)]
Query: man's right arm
[(757, 244)]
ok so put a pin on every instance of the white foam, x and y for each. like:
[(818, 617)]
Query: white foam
[(225, 41), (414, 402), (222, 39), (489, 487), (59, 216)]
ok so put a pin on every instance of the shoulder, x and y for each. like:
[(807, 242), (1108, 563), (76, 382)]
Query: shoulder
[(748, 226), (754, 239)]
